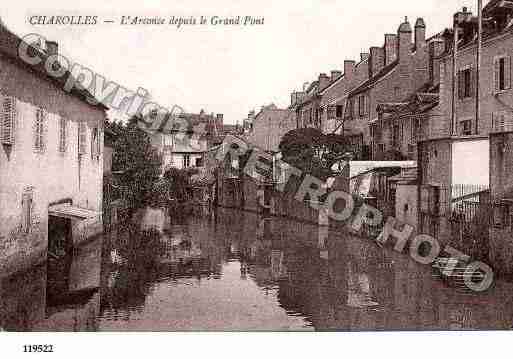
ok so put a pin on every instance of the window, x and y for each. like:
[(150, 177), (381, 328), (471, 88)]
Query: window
[(62, 134), (502, 215), (381, 148), (199, 162), (186, 161), (8, 120), (339, 111), (502, 73), (395, 136), (465, 83), (466, 127), (39, 130), (362, 105), (95, 148), (26, 205), (415, 128), (81, 138)]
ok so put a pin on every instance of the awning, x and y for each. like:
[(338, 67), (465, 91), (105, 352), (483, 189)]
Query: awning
[(65, 210)]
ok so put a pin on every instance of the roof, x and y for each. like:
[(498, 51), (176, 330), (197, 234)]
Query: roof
[(359, 167), (418, 103), (66, 210), (9, 45), (374, 79), (406, 175)]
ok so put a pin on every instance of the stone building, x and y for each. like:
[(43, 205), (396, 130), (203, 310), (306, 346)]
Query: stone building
[(269, 126), (334, 98), (501, 194), (454, 143), (389, 87), (51, 159), (186, 148)]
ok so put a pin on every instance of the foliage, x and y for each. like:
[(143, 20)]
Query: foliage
[(177, 182), (314, 152), (136, 163)]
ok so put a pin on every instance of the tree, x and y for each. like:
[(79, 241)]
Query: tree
[(314, 152), (136, 162)]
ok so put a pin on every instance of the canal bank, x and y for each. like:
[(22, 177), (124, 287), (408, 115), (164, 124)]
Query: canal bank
[(234, 270)]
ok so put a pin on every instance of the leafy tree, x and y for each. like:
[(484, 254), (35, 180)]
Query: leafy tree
[(136, 163), (314, 152)]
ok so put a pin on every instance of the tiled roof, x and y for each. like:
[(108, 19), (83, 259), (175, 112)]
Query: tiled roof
[(370, 82), (9, 44)]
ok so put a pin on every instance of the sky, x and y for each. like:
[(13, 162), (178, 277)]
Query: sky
[(225, 69)]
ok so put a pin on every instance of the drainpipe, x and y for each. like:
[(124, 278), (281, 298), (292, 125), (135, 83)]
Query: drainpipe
[(454, 76), (478, 60)]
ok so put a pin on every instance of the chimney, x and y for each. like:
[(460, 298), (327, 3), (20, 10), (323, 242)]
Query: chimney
[(404, 47), (293, 98), (377, 60), (390, 48), (219, 120), (349, 66), (52, 48), (436, 48), (324, 81), (364, 56), (420, 33), (335, 75)]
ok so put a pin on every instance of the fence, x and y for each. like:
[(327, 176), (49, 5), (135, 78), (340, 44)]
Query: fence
[(459, 215)]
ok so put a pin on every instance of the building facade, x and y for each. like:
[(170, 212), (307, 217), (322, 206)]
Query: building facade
[(51, 160), (269, 127)]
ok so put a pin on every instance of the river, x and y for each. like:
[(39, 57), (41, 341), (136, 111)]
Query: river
[(240, 271)]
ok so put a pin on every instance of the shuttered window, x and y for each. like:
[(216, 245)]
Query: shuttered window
[(26, 217), (362, 105), (8, 120), (466, 83), (62, 134), (81, 138), (39, 130), (95, 144), (502, 73)]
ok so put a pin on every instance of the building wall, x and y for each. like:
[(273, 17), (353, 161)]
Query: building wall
[(52, 176), (269, 127), (491, 102), (501, 185), (337, 93)]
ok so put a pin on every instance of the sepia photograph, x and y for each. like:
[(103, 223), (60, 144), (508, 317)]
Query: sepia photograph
[(234, 167)]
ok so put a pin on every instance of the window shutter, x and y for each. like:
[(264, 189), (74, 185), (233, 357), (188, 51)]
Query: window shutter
[(473, 77), (39, 129), (507, 73), (8, 120), (81, 138), (461, 84), (26, 205), (62, 134), (496, 76)]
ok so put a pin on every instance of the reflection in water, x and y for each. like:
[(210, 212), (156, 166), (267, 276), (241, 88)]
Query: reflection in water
[(240, 271)]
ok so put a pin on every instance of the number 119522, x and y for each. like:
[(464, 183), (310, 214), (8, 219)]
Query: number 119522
[(38, 348)]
